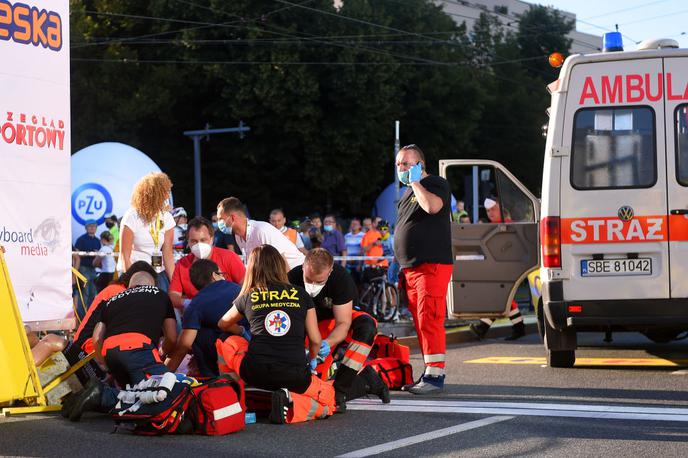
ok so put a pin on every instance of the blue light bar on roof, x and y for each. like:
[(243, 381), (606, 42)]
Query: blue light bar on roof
[(612, 42)]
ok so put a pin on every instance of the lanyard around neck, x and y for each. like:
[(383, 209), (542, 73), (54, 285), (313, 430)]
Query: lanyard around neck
[(155, 231)]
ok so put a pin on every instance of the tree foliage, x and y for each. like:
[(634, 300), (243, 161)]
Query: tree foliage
[(320, 90)]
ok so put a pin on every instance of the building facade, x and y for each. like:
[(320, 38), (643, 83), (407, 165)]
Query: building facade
[(508, 12)]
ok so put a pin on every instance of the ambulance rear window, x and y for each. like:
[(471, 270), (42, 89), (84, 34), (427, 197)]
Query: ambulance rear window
[(682, 144), (613, 148)]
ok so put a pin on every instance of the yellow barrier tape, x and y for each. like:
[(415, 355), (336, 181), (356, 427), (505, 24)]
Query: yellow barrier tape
[(655, 362)]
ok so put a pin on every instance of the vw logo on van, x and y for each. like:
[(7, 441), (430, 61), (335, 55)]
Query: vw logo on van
[(625, 213)]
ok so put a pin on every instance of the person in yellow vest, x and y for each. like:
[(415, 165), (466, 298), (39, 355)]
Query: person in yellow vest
[(278, 220)]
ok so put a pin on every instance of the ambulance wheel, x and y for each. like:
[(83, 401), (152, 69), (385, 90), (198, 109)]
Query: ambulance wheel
[(560, 346), (561, 358)]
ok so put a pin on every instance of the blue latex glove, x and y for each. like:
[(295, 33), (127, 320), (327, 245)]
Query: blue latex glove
[(415, 173), (186, 302), (245, 334), (314, 364), (324, 350)]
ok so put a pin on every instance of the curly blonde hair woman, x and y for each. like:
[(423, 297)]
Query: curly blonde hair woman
[(147, 227)]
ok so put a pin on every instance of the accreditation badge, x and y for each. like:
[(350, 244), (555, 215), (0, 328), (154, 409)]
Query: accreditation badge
[(156, 261)]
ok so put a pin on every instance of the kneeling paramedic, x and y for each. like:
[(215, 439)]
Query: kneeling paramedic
[(280, 315), (199, 323), (82, 345), (334, 293), (126, 342)]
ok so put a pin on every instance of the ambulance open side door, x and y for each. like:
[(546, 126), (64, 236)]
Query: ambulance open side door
[(491, 259)]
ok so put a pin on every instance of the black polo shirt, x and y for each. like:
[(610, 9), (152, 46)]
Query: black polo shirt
[(277, 317), (141, 309), (338, 290), (420, 237)]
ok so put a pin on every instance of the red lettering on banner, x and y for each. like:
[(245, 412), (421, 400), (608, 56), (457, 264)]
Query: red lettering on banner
[(24, 133), (34, 250), (613, 230)]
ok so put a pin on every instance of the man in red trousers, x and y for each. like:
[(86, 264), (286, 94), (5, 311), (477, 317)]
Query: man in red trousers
[(422, 245)]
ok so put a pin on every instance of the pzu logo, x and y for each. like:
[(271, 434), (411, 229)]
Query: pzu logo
[(91, 201)]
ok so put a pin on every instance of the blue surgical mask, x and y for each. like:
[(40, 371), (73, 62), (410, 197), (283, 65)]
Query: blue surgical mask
[(222, 227), (403, 176), (215, 226), (328, 228)]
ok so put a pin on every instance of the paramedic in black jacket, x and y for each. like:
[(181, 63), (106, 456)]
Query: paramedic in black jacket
[(126, 342)]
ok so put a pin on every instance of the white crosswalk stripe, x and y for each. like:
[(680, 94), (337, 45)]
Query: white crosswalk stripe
[(616, 412)]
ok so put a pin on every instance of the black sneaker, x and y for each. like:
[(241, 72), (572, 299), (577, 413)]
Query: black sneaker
[(281, 401), (517, 331), (375, 384), (87, 400), (340, 401), (68, 404)]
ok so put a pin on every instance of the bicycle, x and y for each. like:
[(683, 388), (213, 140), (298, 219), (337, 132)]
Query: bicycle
[(380, 299)]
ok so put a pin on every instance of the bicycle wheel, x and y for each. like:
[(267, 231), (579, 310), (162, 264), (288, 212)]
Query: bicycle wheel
[(367, 298), (392, 303)]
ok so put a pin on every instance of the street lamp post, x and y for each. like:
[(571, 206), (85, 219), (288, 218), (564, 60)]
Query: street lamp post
[(196, 136), (394, 161)]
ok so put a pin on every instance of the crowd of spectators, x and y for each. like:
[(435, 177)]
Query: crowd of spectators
[(367, 236)]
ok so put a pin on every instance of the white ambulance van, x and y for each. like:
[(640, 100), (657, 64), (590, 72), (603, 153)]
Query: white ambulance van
[(613, 228)]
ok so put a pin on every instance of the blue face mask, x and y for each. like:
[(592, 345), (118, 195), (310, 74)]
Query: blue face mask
[(222, 227), (414, 174), (403, 177), (215, 226), (328, 228)]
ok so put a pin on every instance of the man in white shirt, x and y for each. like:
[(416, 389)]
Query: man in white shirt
[(249, 234)]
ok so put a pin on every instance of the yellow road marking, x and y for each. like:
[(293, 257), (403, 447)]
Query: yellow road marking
[(660, 362)]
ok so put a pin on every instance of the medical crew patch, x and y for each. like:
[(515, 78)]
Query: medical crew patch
[(277, 323)]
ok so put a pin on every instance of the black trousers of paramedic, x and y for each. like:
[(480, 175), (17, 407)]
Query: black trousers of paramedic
[(273, 375), (360, 339), (130, 367)]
